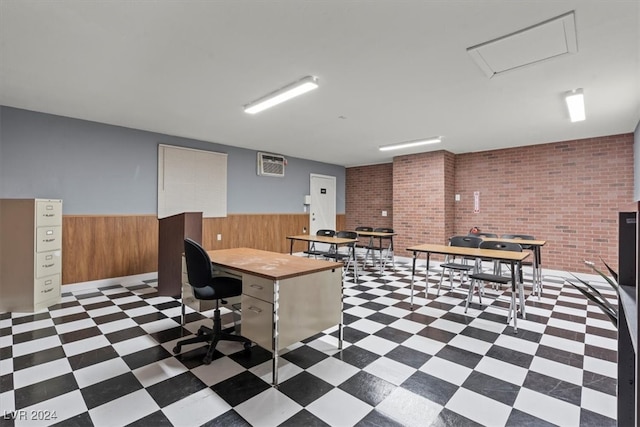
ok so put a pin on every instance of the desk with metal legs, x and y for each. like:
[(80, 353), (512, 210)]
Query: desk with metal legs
[(534, 246), (513, 258), (285, 298), (379, 235)]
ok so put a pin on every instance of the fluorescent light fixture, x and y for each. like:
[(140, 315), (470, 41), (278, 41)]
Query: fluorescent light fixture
[(410, 144), (303, 85), (575, 104)]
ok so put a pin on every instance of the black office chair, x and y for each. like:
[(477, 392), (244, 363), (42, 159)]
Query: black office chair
[(479, 278), (364, 242), (312, 250), (536, 253), (482, 234), (348, 255), (208, 287), (463, 265)]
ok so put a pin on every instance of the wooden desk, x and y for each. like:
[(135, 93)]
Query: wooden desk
[(334, 241), (534, 246), (513, 258), (285, 298), (380, 235), (337, 241)]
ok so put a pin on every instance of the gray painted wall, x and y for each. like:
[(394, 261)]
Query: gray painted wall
[(103, 169)]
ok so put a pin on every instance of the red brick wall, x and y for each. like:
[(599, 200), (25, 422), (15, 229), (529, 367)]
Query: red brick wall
[(368, 192), (419, 205), (567, 193)]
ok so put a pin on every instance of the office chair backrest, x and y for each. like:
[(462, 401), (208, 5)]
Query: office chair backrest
[(501, 246), (324, 232), (198, 264), (465, 241)]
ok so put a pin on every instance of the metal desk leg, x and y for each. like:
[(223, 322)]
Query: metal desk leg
[(274, 359), (413, 273), (513, 297)]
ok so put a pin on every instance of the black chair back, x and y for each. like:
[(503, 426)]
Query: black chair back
[(383, 230), (324, 232), (465, 241), (518, 236), (364, 228), (348, 235), (501, 246), (481, 234), (198, 264)]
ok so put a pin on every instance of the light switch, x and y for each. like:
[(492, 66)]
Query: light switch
[(457, 197), (384, 213)]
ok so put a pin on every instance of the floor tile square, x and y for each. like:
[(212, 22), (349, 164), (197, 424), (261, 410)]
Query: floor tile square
[(337, 407)]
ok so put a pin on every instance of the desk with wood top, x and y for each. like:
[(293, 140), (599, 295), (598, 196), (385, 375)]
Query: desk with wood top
[(534, 246), (285, 298), (309, 238), (379, 235), (513, 258)]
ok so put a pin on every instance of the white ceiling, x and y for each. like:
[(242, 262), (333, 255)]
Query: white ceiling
[(389, 71)]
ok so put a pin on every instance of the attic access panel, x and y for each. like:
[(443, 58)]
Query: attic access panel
[(549, 39)]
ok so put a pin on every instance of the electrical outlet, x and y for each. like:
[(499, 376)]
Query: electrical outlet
[(219, 236), (384, 213)]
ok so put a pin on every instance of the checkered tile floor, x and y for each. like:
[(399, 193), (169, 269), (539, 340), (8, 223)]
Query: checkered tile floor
[(103, 357)]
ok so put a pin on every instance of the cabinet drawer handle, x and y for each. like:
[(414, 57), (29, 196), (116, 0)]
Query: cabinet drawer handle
[(47, 290), (48, 257), (47, 265), (48, 240), (257, 287), (255, 309), (48, 282)]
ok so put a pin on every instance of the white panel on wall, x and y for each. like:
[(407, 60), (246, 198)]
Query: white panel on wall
[(191, 180)]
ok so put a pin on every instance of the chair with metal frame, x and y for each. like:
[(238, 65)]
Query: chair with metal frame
[(384, 246), (316, 252), (478, 278), (463, 265), (364, 242), (348, 257)]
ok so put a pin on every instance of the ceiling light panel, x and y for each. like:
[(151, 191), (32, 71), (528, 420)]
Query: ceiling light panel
[(411, 144), (550, 39), (279, 96)]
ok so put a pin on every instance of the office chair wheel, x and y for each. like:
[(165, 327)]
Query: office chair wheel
[(176, 349), (206, 360), (247, 347)]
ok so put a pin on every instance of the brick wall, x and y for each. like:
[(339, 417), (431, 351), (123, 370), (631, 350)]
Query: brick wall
[(368, 192), (568, 193)]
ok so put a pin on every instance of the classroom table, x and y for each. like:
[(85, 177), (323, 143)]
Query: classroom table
[(285, 298), (335, 242), (373, 235), (513, 258), (534, 246)]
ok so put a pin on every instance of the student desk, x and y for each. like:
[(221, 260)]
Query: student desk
[(379, 235), (513, 258), (285, 298), (330, 240), (534, 246)]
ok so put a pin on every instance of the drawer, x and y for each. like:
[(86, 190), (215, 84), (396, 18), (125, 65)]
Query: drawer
[(258, 287), (48, 263), (257, 321), (48, 213), (48, 238), (46, 288)]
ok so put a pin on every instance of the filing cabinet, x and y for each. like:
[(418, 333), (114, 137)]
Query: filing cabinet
[(30, 254)]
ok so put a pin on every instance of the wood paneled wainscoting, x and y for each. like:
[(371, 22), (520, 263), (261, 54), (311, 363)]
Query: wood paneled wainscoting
[(106, 246)]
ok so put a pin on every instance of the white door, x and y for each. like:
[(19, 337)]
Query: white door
[(322, 212)]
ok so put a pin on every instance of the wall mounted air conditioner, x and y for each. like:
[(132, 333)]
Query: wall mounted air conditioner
[(271, 164)]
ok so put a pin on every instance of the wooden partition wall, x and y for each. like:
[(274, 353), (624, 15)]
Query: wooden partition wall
[(101, 247)]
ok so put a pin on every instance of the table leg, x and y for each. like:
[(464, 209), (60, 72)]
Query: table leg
[(291, 248), (513, 297), (274, 359), (413, 273)]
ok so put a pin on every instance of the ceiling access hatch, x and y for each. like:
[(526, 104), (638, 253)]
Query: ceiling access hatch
[(549, 39)]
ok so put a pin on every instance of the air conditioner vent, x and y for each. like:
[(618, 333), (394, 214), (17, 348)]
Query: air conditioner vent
[(271, 164)]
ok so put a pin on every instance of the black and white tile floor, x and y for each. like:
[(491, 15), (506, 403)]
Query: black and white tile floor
[(103, 357)]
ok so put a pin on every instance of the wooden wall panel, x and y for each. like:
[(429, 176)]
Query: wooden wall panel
[(100, 247)]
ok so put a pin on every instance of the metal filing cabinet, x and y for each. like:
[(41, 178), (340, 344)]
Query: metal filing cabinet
[(30, 254)]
